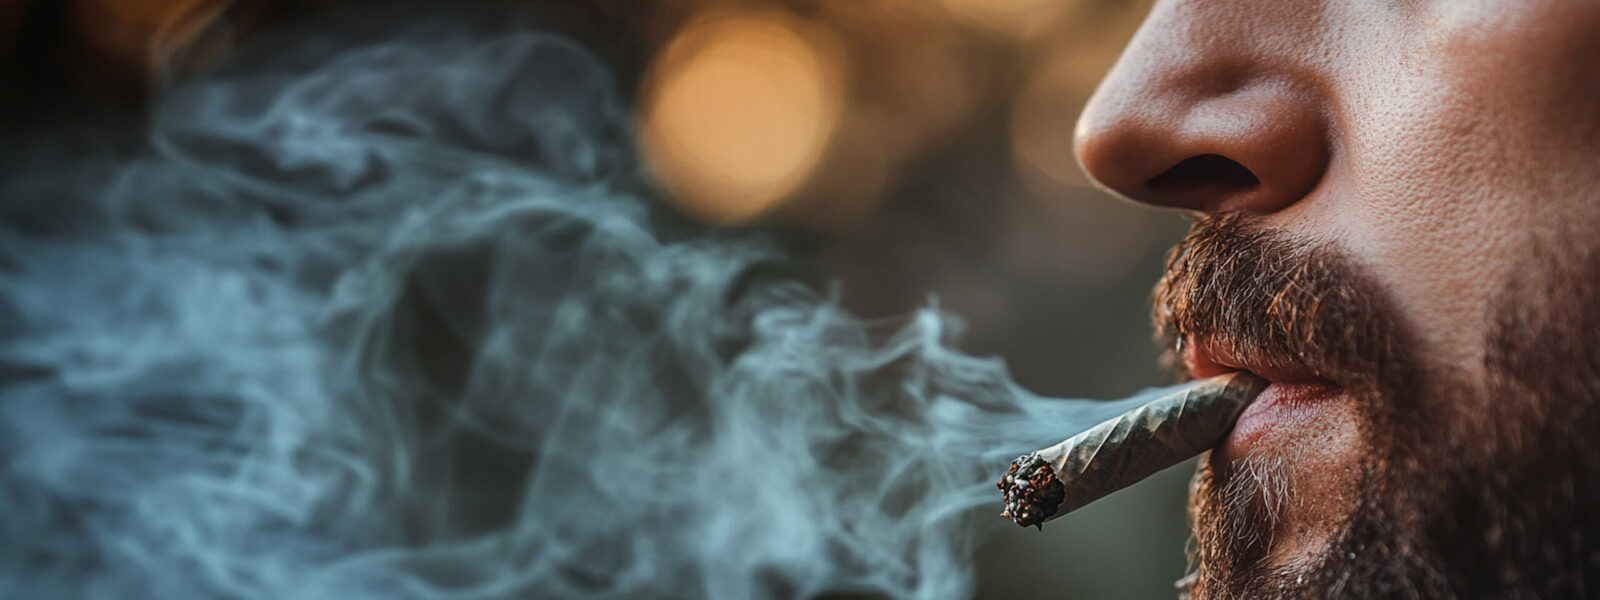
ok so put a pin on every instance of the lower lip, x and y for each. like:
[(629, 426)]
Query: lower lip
[(1281, 408)]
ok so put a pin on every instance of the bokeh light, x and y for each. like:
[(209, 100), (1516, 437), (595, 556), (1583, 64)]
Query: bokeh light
[(738, 109)]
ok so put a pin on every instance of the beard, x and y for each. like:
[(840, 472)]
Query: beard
[(1486, 489)]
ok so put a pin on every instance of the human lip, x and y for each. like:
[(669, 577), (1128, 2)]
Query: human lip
[(1207, 357), (1288, 405)]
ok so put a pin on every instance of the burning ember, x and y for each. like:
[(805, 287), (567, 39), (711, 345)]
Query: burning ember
[(1031, 490)]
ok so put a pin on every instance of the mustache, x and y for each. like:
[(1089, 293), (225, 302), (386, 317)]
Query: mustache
[(1272, 299)]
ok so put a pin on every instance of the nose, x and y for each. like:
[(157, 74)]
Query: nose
[(1203, 121)]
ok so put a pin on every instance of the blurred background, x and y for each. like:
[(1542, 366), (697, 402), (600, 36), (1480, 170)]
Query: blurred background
[(923, 147)]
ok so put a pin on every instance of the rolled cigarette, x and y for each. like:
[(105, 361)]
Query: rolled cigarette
[(1125, 449)]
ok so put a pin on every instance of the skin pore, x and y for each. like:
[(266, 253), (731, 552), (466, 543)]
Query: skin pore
[(1398, 198)]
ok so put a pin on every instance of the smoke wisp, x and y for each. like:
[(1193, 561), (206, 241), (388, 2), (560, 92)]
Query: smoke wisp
[(395, 319)]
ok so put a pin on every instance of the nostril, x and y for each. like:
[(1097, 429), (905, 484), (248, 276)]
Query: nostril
[(1206, 172)]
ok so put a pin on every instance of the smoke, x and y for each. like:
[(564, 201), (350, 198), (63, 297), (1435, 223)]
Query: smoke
[(396, 319)]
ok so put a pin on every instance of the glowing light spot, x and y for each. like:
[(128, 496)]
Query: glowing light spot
[(737, 111)]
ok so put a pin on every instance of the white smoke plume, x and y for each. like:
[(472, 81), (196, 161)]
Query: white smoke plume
[(395, 318)]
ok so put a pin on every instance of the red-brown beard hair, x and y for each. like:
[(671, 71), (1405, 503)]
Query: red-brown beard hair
[(1505, 503)]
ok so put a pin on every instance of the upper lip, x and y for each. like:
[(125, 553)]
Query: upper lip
[(1210, 356)]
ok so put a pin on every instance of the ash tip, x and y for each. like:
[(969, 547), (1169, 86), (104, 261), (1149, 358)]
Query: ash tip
[(1031, 491)]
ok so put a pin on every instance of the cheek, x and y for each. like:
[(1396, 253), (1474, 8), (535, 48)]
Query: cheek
[(1470, 133), (1431, 214)]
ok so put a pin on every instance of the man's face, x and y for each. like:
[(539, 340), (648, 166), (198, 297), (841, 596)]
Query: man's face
[(1398, 207)]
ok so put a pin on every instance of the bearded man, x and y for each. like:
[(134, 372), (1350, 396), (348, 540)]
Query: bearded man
[(1396, 206)]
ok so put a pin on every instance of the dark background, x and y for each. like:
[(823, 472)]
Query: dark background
[(922, 147)]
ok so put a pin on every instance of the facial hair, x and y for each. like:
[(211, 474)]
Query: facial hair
[(1524, 522), (1495, 504)]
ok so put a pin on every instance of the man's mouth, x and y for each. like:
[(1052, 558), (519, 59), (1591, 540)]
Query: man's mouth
[(1287, 407)]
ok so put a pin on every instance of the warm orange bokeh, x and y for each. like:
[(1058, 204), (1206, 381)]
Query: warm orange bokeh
[(737, 111)]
